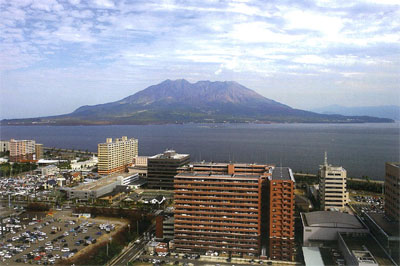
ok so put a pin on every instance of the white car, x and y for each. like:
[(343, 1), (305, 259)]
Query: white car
[(48, 243), (49, 248), (65, 250), (7, 256)]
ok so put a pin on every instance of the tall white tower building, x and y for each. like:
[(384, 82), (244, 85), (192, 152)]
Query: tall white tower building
[(332, 186)]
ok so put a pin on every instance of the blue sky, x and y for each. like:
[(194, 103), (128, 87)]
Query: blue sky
[(56, 55)]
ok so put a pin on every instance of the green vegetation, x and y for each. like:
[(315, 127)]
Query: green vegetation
[(36, 206), (10, 169), (307, 179), (64, 165), (365, 185), (5, 154)]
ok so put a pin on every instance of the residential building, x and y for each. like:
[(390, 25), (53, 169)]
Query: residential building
[(219, 208), (4, 145), (325, 225), (39, 151), (115, 156), (392, 191), (162, 168), (281, 186), (332, 187), (22, 150)]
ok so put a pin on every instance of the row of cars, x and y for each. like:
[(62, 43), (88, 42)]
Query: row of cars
[(44, 242)]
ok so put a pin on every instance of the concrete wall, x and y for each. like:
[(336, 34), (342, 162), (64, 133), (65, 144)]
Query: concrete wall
[(326, 233)]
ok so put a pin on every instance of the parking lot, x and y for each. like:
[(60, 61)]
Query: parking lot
[(55, 237), (367, 204)]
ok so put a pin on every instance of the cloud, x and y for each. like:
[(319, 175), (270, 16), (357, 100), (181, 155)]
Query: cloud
[(259, 42)]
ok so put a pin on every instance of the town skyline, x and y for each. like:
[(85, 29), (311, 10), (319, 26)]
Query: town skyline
[(59, 55)]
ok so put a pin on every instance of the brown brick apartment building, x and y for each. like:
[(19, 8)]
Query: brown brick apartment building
[(225, 208), (281, 214)]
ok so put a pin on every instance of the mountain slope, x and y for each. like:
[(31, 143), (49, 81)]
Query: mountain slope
[(386, 111), (180, 101)]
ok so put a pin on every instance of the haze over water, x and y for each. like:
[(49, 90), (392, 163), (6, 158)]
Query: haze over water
[(362, 149)]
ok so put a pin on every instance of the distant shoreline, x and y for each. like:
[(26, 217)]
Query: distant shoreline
[(186, 123)]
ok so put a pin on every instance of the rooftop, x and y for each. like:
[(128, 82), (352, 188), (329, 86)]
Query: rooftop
[(331, 219), (312, 256), (216, 176), (98, 183), (169, 154), (282, 173), (396, 164), (391, 228), (356, 243)]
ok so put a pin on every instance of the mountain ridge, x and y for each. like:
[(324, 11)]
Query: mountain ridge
[(382, 111), (179, 101)]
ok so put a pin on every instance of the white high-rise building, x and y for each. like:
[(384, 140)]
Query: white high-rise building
[(332, 186), (116, 156)]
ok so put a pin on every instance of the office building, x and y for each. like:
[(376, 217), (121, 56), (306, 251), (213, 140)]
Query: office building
[(218, 208), (332, 187), (162, 168), (22, 150), (116, 155), (4, 145), (281, 214), (392, 191)]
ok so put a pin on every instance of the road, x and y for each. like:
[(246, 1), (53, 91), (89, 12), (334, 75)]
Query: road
[(197, 261), (129, 255), (134, 250)]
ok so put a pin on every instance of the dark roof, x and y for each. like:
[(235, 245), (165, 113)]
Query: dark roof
[(391, 228), (281, 173), (122, 188), (51, 182), (332, 219)]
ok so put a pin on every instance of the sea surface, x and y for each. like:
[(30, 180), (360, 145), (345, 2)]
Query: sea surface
[(362, 149)]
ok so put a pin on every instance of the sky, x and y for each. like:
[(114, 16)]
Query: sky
[(57, 55)]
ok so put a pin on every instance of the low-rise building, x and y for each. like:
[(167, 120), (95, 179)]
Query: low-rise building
[(94, 189), (84, 165), (325, 225), (362, 250), (386, 231), (49, 170)]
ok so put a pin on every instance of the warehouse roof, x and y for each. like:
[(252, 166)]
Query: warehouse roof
[(331, 219)]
